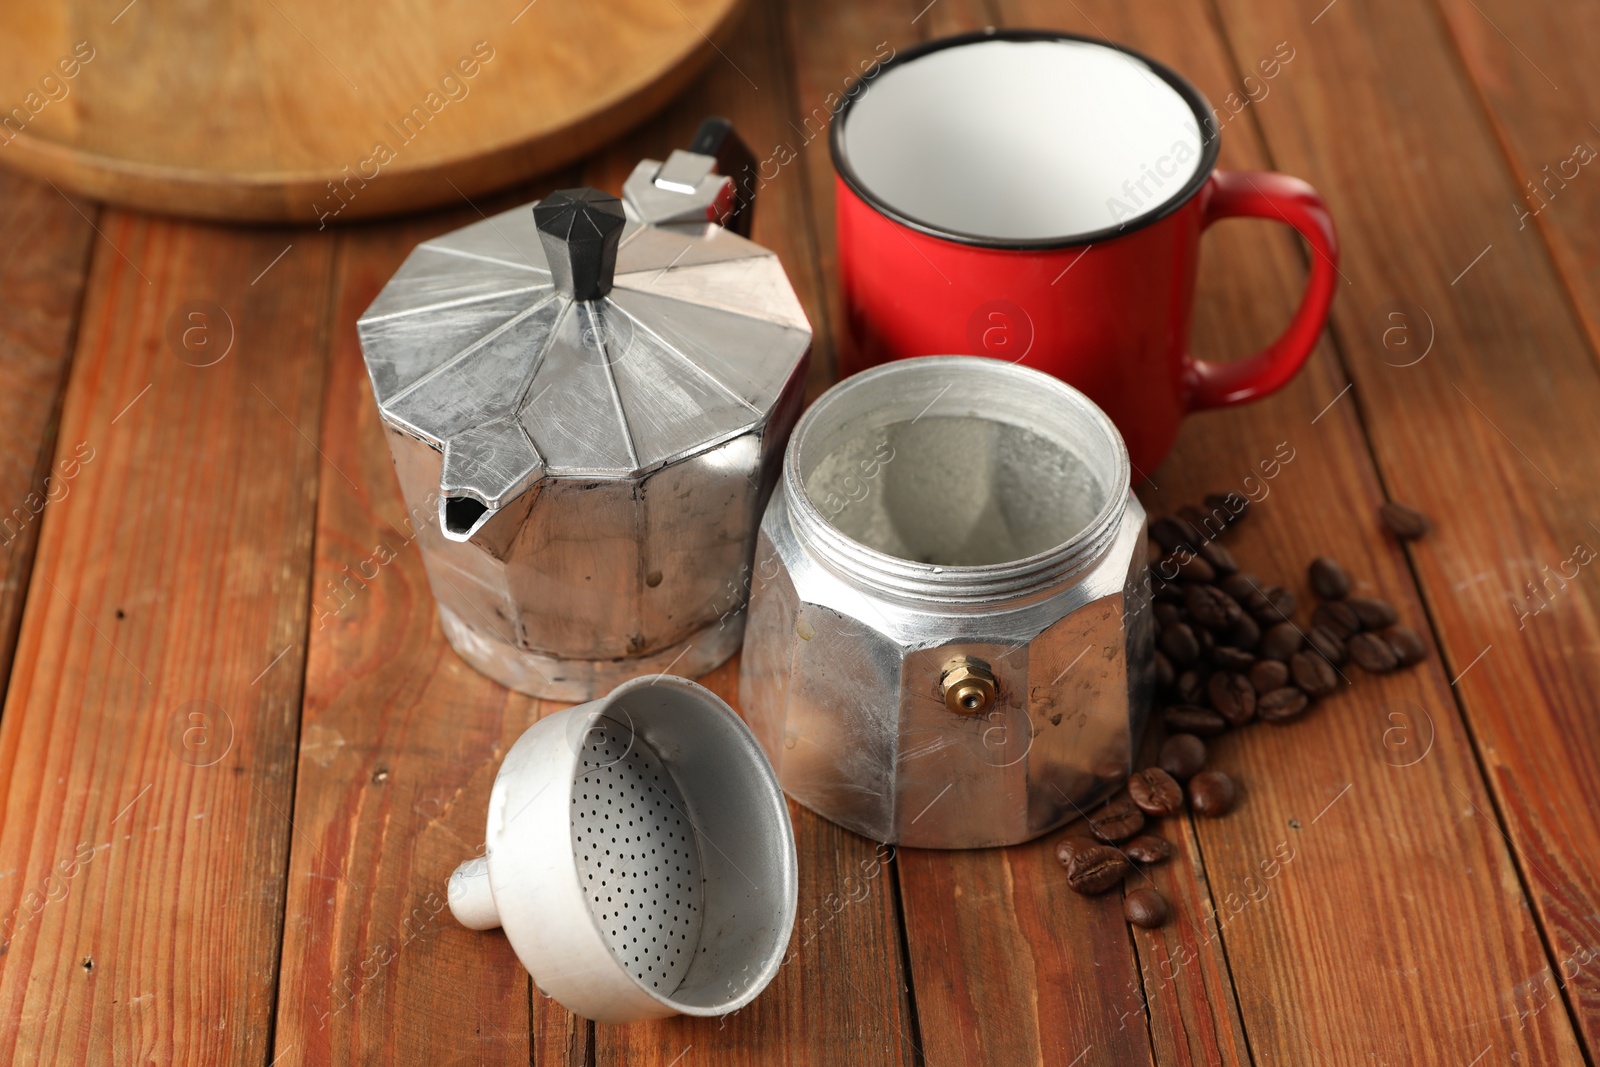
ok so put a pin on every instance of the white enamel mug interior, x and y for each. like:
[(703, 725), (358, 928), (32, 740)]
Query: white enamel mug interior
[(1024, 136)]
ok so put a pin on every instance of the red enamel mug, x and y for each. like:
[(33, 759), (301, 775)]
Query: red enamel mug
[(1039, 197)]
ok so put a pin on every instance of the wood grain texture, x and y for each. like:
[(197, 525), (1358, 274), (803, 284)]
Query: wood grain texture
[(43, 265), (150, 903), (1186, 992), (1533, 67), (829, 46), (560, 1039), (1340, 959), (147, 745), (298, 111), (1011, 966), (399, 745), (1491, 433)]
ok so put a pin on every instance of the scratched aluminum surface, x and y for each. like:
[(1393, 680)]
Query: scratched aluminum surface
[(846, 647), (589, 475)]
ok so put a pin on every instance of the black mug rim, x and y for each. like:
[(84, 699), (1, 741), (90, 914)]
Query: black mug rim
[(1198, 104)]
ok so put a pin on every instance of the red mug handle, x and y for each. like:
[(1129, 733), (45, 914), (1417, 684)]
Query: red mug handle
[(1266, 195)]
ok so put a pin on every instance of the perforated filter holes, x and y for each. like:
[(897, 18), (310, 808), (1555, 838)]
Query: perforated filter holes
[(639, 856)]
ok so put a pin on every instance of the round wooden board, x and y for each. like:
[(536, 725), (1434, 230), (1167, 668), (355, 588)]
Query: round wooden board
[(309, 111)]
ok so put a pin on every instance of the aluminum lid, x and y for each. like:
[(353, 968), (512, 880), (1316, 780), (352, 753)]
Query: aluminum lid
[(479, 348)]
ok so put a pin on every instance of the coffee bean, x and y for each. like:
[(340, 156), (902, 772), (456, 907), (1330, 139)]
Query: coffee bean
[(1147, 849), (1221, 560), (1155, 792), (1239, 585), (1145, 907), (1211, 607), (1328, 579), (1313, 674), (1268, 674), (1165, 592), (1190, 688), (1166, 570), (1069, 847), (1167, 614), (1191, 568), (1407, 645), (1207, 642), (1338, 617), (1245, 633), (1179, 643), (1193, 719), (1282, 704), (1232, 697), (1096, 869), (1277, 605), (1372, 653), (1167, 533), (1329, 644), (1193, 521), (1281, 641), (1228, 658), (1164, 672), (1373, 614), (1211, 793), (1182, 756), (1235, 505), (1118, 820), (1404, 521), (1257, 605)]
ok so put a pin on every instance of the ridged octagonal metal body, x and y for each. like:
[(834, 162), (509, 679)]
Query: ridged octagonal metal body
[(941, 521), (587, 475)]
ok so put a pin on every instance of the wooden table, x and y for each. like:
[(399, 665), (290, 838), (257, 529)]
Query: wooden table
[(238, 761)]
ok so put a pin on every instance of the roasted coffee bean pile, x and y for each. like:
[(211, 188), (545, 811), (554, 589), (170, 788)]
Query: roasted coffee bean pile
[(1228, 653)]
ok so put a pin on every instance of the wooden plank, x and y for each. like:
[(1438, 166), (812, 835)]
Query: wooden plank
[(560, 1039), (1533, 67), (944, 19), (399, 745), (1346, 903), (147, 745), (42, 271), (1491, 433), (840, 997), (1005, 968), (1010, 966), (828, 47), (1185, 988), (1184, 991)]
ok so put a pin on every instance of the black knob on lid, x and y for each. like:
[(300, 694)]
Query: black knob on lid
[(579, 229)]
